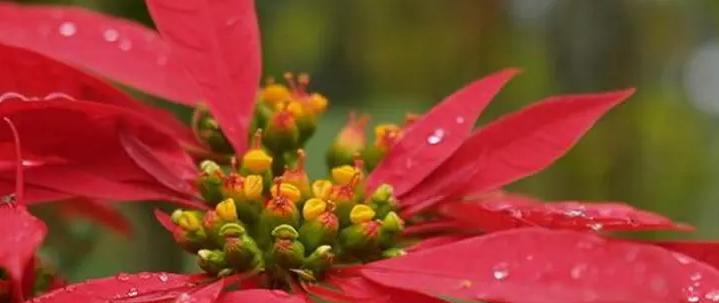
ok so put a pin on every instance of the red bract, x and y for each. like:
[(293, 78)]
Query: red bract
[(219, 43), (21, 236), (512, 147), (112, 47), (117, 150), (79, 152), (448, 123), (539, 265), (505, 211)]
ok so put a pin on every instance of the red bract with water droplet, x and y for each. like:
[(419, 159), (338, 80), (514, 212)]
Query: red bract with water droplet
[(539, 265), (112, 47), (117, 150), (434, 137)]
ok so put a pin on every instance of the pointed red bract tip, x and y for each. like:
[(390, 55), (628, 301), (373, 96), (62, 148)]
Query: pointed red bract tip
[(512, 147), (429, 141)]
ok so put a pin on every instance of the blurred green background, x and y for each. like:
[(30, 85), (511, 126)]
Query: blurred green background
[(659, 151)]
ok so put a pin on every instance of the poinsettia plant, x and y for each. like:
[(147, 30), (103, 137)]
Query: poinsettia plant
[(417, 215)]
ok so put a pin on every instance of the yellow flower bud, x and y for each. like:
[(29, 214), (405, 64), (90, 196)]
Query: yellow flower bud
[(188, 221), (344, 174), (361, 213), (317, 103), (386, 134), (257, 161), (275, 93), (227, 210), (252, 187), (313, 208), (294, 107), (288, 191), (322, 189)]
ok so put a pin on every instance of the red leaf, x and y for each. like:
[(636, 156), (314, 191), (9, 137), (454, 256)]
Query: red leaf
[(260, 295), (98, 211), (707, 252), (112, 47), (140, 287), (433, 138), (506, 211), (539, 265), (21, 236), (36, 75), (515, 146), (219, 44), (75, 149)]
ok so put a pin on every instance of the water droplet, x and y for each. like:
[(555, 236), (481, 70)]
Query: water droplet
[(163, 277), (161, 60), (682, 259), (696, 276), (231, 21), (574, 213), (70, 288), (183, 298), (11, 95), (529, 257), (692, 298), (459, 120), (59, 95), (465, 284), (111, 35), (123, 277), (125, 45), (500, 271), (712, 295), (578, 271), (67, 29), (409, 163), (132, 292), (436, 137), (596, 226), (145, 275)]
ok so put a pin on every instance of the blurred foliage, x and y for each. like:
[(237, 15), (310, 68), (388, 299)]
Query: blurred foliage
[(659, 151)]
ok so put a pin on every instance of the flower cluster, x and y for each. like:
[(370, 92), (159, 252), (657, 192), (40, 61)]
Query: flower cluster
[(261, 229), (288, 225)]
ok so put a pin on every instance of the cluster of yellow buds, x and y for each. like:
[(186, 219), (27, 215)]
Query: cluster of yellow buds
[(284, 225), (351, 142)]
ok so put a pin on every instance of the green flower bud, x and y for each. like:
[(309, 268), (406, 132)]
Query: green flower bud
[(210, 182), (285, 232), (392, 226), (383, 200), (385, 137), (278, 211), (207, 130), (282, 133), (320, 230), (319, 261), (286, 252), (349, 142), (242, 253), (211, 261), (361, 241), (191, 241)]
